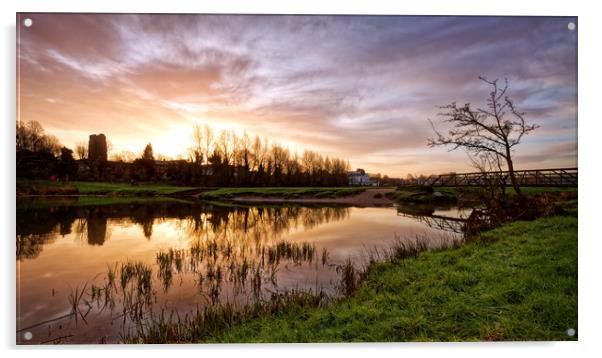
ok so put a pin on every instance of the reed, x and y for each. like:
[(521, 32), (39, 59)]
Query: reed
[(111, 274), (211, 321), (349, 280), (75, 298), (214, 263), (324, 256)]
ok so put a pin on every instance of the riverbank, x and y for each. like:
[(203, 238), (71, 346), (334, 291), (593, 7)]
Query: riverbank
[(355, 196), (466, 195), (358, 196), (50, 188), (517, 282), (287, 193), (345, 196)]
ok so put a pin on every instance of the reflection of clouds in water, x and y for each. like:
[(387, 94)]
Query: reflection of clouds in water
[(210, 245)]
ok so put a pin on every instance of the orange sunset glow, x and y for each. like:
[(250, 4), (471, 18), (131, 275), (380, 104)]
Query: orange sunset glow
[(355, 87)]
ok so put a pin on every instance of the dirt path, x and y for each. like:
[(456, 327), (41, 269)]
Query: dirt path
[(366, 198)]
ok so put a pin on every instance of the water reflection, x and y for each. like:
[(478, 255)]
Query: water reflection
[(36, 227), (135, 258), (445, 218), (97, 228)]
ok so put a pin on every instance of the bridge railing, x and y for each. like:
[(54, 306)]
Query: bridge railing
[(534, 177)]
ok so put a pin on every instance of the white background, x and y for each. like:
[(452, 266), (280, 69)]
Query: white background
[(590, 139)]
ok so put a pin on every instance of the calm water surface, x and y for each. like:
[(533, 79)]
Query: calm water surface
[(195, 254)]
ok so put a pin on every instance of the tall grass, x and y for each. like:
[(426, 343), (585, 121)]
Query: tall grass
[(214, 263), (209, 321), (219, 316)]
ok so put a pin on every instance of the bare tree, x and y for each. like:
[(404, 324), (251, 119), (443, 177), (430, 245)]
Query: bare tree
[(225, 145), (198, 144), (259, 150), (208, 137), (492, 131), (125, 156), (245, 150), (31, 136), (491, 167), (81, 150), (280, 156), (50, 144)]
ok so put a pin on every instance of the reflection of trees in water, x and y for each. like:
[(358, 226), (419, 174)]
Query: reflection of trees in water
[(242, 246), (426, 214), (40, 227), (36, 227), (147, 228), (259, 223), (29, 246)]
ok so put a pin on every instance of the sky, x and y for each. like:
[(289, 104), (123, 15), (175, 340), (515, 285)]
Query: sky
[(356, 87)]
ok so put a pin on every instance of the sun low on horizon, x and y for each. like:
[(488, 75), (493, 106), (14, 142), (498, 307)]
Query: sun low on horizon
[(360, 88)]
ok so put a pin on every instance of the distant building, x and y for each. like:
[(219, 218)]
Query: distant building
[(359, 177), (97, 148)]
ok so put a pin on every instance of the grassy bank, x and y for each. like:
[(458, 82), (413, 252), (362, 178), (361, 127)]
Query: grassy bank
[(518, 282), (523, 286), (287, 193), (101, 188), (442, 194), (420, 195), (46, 187)]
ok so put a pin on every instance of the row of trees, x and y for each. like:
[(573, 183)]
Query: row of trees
[(214, 158), (226, 158), (31, 137), (40, 155)]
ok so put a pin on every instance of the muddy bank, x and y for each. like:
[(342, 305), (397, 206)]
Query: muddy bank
[(370, 197)]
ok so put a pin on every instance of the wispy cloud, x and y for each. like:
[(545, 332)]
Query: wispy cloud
[(359, 87)]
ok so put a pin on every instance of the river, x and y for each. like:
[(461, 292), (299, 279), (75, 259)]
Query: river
[(184, 255)]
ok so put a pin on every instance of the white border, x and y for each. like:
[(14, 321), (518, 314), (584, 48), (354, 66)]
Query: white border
[(589, 137)]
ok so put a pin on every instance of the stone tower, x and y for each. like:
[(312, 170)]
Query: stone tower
[(97, 148)]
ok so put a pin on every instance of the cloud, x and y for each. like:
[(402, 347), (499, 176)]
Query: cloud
[(352, 86)]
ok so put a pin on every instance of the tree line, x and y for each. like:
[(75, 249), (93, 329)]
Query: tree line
[(40, 155), (214, 158), (229, 159)]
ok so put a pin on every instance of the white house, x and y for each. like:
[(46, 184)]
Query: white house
[(359, 177)]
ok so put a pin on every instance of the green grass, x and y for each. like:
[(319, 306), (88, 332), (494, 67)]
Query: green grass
[(126, 189), (518, 282), (415, 194), (97, 188), (41, 187), (526, 190), (26, 187), (287, 193)]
